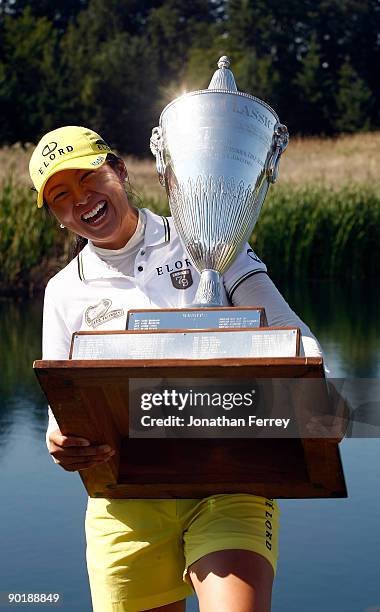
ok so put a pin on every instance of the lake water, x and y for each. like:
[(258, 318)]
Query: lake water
[(329, 549)]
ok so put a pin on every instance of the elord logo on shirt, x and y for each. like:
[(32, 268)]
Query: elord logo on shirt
[(177, 265), (182, 279), (100, 313)]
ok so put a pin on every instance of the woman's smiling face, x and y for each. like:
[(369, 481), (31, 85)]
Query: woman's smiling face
[(93, 204)]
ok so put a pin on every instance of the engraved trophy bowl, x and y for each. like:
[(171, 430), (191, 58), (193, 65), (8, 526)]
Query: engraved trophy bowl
[(217, 151)]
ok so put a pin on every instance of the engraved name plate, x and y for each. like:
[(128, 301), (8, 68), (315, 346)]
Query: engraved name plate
[(270, 342), (196, 318)]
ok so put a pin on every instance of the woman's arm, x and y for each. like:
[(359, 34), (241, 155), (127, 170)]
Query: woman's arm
[(259, 290), (70, 452), (55, 345), (248, 284)]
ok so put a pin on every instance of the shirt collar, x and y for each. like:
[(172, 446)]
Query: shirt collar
[(91, 266), (157, 230)]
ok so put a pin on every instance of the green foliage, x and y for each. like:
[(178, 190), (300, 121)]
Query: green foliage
[(106, 96), (174, 28), (114, 65), (352, 101), (256, 75), (306, 44), (59, 12), (27, 76), (310, 81), (29, 239), (313, 232)]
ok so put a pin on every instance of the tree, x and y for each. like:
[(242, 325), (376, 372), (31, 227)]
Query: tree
[(310, 89), (58, 12), (108, 80), (115, 65), (352, 101), (27, 77)]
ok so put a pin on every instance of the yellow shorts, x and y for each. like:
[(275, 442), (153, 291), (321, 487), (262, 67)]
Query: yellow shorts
[(138, 551)]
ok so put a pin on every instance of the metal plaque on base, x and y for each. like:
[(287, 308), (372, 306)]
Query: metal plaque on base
[(197, 318), (189, 344)]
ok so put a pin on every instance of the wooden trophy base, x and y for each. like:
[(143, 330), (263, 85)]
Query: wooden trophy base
[(90, 398)]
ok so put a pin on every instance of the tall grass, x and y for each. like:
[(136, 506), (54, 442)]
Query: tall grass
[(318, 233), (31, 248)]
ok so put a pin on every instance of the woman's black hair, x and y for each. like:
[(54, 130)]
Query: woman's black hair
[(79, 244)]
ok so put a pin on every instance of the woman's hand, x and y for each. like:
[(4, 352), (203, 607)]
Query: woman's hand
[(332, 427), (74, 453)]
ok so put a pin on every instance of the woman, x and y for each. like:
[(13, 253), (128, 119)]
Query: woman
[(148, 554)]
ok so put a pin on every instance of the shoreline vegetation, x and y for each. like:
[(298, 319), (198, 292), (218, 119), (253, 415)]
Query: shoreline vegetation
[(321, 220)]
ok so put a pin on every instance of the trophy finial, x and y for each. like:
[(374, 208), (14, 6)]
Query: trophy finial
[(223, 78), (224, 62)]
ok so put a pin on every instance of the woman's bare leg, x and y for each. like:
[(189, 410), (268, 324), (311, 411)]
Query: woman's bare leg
[(233, 581)]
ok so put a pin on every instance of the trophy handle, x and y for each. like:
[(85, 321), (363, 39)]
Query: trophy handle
[(279, 143), (156, 146)]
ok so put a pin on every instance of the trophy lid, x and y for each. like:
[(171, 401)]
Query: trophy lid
[(222, 82), (223, 78)]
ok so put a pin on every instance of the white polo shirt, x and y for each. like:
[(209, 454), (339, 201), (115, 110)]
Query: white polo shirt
[(90, 294)]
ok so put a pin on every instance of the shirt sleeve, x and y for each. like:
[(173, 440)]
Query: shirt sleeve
[(56, 339), (56, 336), (259, 290), (245, 266)]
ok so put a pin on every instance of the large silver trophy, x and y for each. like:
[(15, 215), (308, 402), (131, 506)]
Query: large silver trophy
[(217, 151)]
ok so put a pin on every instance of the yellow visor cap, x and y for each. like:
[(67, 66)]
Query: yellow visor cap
[(67, 148)]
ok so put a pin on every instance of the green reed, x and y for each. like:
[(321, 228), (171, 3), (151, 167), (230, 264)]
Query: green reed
[(314, 232), (30, 243), (311, 232)]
